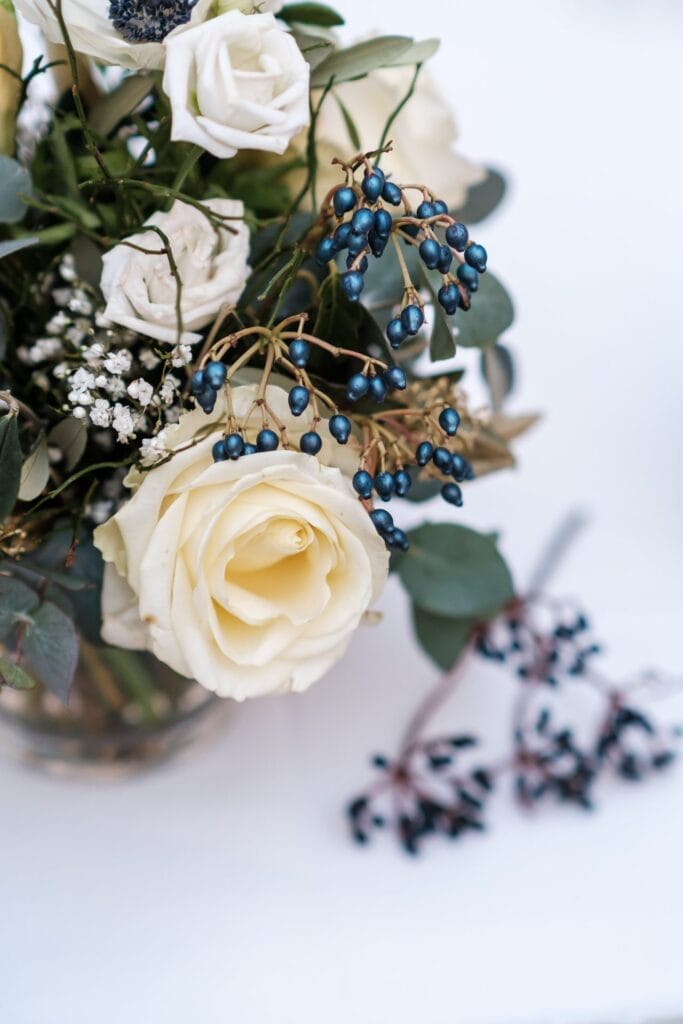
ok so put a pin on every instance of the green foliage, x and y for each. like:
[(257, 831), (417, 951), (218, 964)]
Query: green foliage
[(363, 58), (15, 182), (498, 371), (482, 199), (17, 602), (14, 675), (15, 245), (443, 639), (491, 314), (115, 106), (10, 464), (38, 632), (311, 14), (455, 572)]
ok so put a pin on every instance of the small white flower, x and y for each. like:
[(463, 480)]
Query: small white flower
[(115, 387), (59, 322), (79, 412), (169, 389), (141, 391), (237, 82), (101, 414), (76, 335), (122, 422), (118, 362), (61, 371), (93, 353), (153, 448), (181, 356), (82, 378), (44, 348), (141, 289), (149, 359)]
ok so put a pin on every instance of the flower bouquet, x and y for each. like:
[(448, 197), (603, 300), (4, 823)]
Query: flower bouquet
[(232, 284)]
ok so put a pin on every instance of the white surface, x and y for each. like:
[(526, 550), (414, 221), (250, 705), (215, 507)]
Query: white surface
[(225, 889)]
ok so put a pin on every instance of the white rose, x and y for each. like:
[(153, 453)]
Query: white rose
[(424, 134), (91, 29), (141, 289), (237, 82), (249, 576)]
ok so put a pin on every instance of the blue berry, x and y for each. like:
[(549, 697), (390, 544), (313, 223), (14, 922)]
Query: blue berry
[(476, 256), (445, 260), (392, 194), (457, 236), (234, 446), (373, 184), (396, 332), (344, 199), (430, 253), (325, 251), (424, 453), (352, 285), (395, 376), (341, 237), (468, 276), (362, 483), (399, 539), (361, 267), (378, 389), (362, 220), (410, 229), (218, 451), (402, 482), (357, 387), (357, 242), (425, 210), (377, 244), (383, 223), (198, 383), (267, 440), (462, 470), (207, 399), (412, 318), (449, 297), (250, 449), (298, 399), (384, 485), (310, 443), (299, 351), (215, 374), (440, 206), (340, 428), (452, 494), (443, 460), (449, 421), (382, 519)]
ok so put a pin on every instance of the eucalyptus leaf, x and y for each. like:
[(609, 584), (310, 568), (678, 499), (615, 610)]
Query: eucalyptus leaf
[(15, 676), (35, 472), (417, 53), (443, 639), (51, 648), (350, 123), (454, 571), (442, 341), (483, 198), (10, 464), (70, 436), (15, 182), (315, 48), (498, 371), (109, 111), (359, 60), (17, 602), (311, 14), (491, 314), (13, 245)]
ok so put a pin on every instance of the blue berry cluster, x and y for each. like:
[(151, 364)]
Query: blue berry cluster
[(206, 384), (375, 385)]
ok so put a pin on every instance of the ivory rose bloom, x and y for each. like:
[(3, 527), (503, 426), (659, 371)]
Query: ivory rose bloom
[(424, 134), (236, 82), (249, 576), (141, 289)]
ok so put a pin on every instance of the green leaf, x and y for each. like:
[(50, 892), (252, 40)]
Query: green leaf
[(498, 371), (482, 199), (350, 124), (311, 14), (35, 472), (16, 245), (51, 648), (423, 490), (442, 342), (15, 676), (315, 48), (15, 182), (443, 639), (417, 53), (454, 571), (115, 106), (17, 602), (10, 464), (491, 314), (70, 436), (359, 60)]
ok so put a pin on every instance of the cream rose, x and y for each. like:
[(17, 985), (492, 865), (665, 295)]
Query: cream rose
[(238, 82), (424, 134), (141, 289), (249, 576)]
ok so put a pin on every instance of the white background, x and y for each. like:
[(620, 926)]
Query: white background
[(225, 888)]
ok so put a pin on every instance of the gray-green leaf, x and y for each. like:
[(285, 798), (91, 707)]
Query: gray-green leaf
[(15, 676), (35, 472), (15, 181), (491, 314), (311, 14), (441, 638), (51, 648), (115, 106), (10, 464), (17, 602), (71, 437), (359, 60), (454, 571), (498, 370), (16, 245)]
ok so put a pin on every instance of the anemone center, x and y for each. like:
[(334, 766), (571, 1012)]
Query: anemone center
[(148, 21)]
